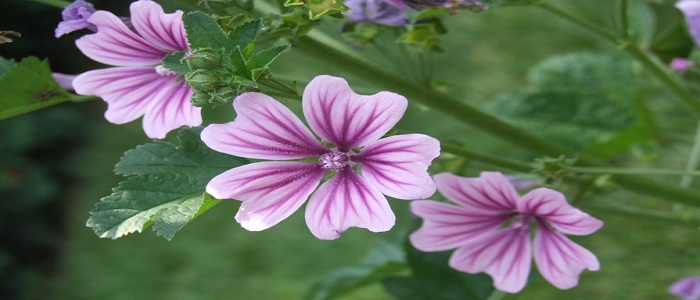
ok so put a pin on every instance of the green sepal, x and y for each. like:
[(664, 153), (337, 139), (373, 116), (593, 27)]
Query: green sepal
[(176, 62)]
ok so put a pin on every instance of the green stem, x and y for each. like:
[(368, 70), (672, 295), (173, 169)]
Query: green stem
[(497, 295), (646, 214), (620, 171), (583, 23), (497, 161), (54, 3), (693, 160), (322, 48), (651, 64), (622, 13)]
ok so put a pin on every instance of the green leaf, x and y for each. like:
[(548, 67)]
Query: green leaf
[(27, 86), (6, 64), (203, 31), (264, 58), (174, 62), (576, 99), (385, 259), (245, 34), (165, 190)]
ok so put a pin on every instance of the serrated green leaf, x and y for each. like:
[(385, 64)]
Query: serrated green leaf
[(165, 190), (265, 57), (167, 202), (237, 62), (27, 86), (173, 62), (386, 258), (6, 64), (243, 35), (191, 157), (204, 32)]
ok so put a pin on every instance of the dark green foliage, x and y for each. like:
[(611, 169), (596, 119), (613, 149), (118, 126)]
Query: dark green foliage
[(577, 99)]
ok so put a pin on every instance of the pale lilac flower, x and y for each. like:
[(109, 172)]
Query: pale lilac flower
[(691, 10), (75, 17), (680, 64), (65, 81), (376, 11), (361, 166), (490, 228), (686, 288), (139, 85)]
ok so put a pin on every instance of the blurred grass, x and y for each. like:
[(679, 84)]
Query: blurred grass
[(214, 258)]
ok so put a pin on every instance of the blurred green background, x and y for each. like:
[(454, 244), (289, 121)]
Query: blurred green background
[(55, 164)]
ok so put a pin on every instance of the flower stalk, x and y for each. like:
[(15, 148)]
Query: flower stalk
[(650, 63), (322, 48)]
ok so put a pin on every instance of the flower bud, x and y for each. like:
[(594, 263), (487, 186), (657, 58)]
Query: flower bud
[(205, 58), (201, 80)]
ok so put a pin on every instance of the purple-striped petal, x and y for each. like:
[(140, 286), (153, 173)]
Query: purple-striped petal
[(551, 206), (115, 44), (446, 226), (270, 191), (686, 288), (691, 11), (491, 192), (345, 201), (165, 31), (398, 165), (348, 120), (505, 255), (560, 260), (129, 91), (170, 109), (263, 129)]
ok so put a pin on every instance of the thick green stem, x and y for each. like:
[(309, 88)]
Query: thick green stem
[(504, 163), (323, 49), (650, 63)]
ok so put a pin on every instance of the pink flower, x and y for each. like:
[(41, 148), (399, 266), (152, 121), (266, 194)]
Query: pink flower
[(139, 85), (361, 166), (490, 228)]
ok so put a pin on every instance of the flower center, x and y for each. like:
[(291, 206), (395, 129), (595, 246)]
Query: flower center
[(163, 71), (521, 223), (334, 161)]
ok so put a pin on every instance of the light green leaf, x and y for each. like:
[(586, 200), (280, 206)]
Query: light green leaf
[(165, 190), (27, 86)]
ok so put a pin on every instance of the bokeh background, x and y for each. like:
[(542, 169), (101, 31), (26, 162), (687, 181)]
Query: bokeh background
[(55, 164)]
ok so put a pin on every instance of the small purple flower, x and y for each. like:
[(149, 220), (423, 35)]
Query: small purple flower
[(139, 85), (680, 64), (691, 10), (75, 17), (376, 11), (361, 166), (686, 288), (490, 227)]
